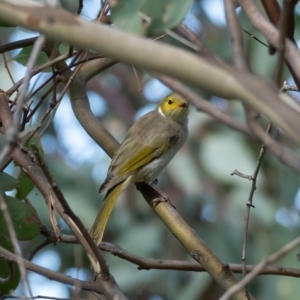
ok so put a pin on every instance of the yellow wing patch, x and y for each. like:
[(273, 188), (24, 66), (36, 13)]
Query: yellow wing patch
[(141, 158)]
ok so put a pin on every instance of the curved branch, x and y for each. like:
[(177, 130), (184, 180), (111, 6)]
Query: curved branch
[(108, 284), (98, 286), (272, 34), (165, 264), (220, 79)]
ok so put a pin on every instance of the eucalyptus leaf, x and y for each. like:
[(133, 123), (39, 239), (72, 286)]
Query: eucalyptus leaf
[(25, 187), (8, 270), (69, 5), (4, 24), (125, 15), (165, 14), (25, 183), (23, 56), (8, 182), (23, 217)]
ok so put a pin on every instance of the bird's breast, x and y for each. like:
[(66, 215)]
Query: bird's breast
[(151, 170)]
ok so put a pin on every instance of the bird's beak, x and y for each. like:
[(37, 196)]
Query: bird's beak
[(184, 104)]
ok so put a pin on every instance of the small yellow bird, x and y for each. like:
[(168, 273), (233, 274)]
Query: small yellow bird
[(148, 147)]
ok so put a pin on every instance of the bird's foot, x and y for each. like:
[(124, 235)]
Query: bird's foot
[(155, 181), (166, 199)]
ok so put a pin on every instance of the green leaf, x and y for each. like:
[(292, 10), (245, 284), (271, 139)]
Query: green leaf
[(125, 16), (8, 269), (26, 185), (4, 24), (23, 217), (165, 14), (35, 140), (69, 5), (23, 56), (7, 182)]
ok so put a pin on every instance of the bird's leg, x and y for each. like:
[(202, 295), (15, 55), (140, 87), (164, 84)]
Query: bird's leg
[(163, 196), (155, 181)]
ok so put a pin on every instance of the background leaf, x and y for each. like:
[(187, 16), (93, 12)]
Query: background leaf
[(165, 14), (23, 217), (7, 182), (5, 270), (23, 56), (125, 16), (25, 184)]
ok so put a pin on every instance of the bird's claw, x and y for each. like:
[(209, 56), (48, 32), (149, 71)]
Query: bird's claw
[(156, 201), (155, 181)]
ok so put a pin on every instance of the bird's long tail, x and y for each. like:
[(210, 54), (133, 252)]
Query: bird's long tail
[(103, 215)]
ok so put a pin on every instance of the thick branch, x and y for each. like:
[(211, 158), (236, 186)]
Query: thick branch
[(220, 79)]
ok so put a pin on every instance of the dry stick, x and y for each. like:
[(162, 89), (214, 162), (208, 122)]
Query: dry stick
[(282, 153), (271, 34), (15, 244), (226, 81), (40, 246), (67, 211), (188, 34), (137, 79), (239, 59), (17, 45), (286, 87), (267, 261), (255, 38), (160, 264), (7, 68), (12, 133), (107, 286), (250, 201), (287, 10), (85, 285), (43, 97), (43, 297), (163, 264), (32, 131), (38, 70), (38, 45), (236, 36)]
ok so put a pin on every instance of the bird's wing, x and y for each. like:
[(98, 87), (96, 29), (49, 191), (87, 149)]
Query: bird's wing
[(138, 149)]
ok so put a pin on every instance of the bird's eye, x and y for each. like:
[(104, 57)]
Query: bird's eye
[(170, 102)]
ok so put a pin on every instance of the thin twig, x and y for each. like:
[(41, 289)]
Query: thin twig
[(7, 68), (286, 87), (38, 70), (236, 36), (15, 244), (250, 202), (108, 288), (264, 263), (72, 220), (287, 10), (137, 79)]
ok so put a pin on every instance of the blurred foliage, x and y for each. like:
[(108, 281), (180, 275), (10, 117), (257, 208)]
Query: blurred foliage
[(198, 180), (8, 270)]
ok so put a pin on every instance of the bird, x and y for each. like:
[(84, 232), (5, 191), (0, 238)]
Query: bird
[(150, 144)]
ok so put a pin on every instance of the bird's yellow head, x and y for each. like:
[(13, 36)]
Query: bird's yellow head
[(174, 107)]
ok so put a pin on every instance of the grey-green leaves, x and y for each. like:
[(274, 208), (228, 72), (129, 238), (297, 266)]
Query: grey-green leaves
[(148, 17)]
